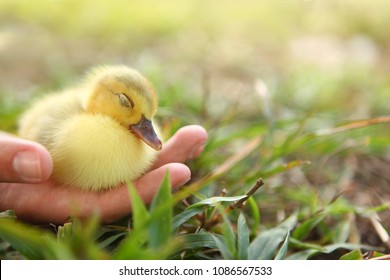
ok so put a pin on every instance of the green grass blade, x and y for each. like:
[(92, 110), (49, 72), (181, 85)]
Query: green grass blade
[(283, 250), (152, 227), (212, 201), (179, 219), (353, 255), (228, 233), (28, 241), (304, 255), (160, 228), (140, 213), (111, 239), (81, 237), (290, 222), (222, 247), (255, 214), (265, 245), (131, 247), (199, 241), (306, 227), (198, 207), (242, 237), (64, 232)]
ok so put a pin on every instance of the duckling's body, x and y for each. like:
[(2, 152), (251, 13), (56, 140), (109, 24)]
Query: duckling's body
[(99, 134)]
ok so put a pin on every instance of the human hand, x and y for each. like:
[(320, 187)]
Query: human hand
[(26, 188)]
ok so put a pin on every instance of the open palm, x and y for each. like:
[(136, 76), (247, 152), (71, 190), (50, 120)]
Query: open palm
[(46, 201)]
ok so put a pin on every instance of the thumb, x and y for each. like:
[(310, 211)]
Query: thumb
[(23, 161)]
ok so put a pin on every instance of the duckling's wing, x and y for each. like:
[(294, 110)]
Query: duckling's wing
[(46, 116)]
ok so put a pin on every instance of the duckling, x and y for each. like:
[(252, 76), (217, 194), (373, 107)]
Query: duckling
[(100, 134)]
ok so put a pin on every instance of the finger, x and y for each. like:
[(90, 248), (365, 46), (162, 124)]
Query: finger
[(187, 143), (47, 203), (147, 186), (23, 161)]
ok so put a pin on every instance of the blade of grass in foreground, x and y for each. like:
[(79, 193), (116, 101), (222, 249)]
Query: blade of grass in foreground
[(140, 213), (26, 240), (151, 236), (160, 227), (33, 243)]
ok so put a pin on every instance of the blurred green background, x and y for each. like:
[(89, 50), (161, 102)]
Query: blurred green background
[(326, 57), (287, 70)]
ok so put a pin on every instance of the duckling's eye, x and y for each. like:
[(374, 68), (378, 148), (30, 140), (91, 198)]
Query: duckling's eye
[(126, 101)]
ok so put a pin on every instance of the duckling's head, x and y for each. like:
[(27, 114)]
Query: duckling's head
[(125, 95)]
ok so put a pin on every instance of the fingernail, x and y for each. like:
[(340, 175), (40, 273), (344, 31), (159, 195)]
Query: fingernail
[(182, 183), (197, 150), (28, 166)]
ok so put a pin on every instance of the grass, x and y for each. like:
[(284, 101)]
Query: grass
[(293, 92)]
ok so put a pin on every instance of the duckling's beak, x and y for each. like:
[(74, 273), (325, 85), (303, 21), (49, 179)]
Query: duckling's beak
[(145, 131)]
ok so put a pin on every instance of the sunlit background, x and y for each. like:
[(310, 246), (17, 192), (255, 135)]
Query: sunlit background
[(276, 68)]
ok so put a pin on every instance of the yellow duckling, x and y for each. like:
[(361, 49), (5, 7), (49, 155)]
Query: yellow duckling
[(99, 134)]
